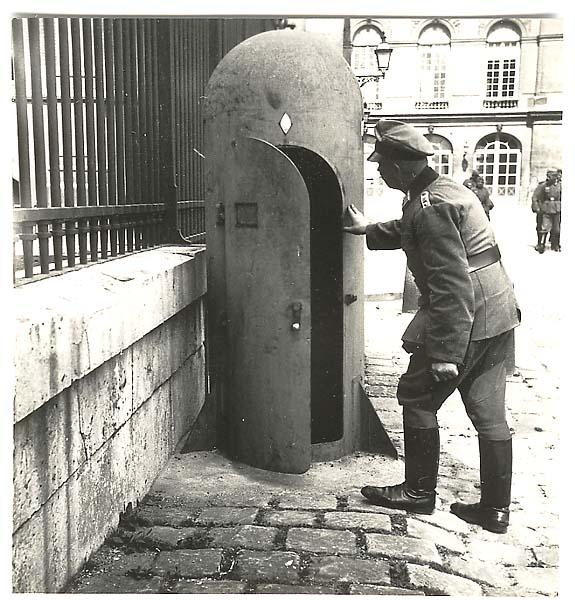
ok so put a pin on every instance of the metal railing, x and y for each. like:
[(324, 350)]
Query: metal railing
[(110, 134)]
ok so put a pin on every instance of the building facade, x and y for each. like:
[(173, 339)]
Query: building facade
[(487, 92)]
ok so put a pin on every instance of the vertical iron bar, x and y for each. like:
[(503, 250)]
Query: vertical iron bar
[(110, 92), (53, 141), (151, 170), (156, 127), (184, 165), (27, 231), (179, 175), (166, 76), (67, 137), (187, 49), (128, 127), (39, 140), (143, 126), (156, 104), (121, 155), (136, 133), (90, 132), (203, 188), (101, 133), (79, 136)]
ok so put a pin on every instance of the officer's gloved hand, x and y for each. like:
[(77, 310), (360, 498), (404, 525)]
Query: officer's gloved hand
[(444, 371), (358, 221)]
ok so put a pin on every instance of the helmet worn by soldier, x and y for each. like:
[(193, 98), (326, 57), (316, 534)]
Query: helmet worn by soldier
[(399, 140)]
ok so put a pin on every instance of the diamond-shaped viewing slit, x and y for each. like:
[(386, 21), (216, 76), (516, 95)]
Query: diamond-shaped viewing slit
[(285, 123)]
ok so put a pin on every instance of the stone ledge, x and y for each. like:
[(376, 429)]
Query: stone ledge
[(67, 326)]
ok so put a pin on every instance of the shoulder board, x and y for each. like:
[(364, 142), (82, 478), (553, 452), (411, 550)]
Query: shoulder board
[(424, 199)]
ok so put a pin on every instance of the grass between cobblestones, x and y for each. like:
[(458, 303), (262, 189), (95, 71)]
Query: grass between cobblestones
[(280, 539), (361, 542), (398, 574), (398, 524)]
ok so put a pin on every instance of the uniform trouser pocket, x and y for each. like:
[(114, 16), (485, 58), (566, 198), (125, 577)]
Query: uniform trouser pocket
[(481, 382), (416, 385)]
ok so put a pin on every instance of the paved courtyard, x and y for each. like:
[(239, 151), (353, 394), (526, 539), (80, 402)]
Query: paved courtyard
[(210, 525)]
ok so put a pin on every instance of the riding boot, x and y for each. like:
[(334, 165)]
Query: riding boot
[(541, 241), (417, 493), (492, 511), (554, 239)]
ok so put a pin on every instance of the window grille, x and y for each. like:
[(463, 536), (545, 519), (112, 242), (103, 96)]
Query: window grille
[(434, 50), (502, 67)]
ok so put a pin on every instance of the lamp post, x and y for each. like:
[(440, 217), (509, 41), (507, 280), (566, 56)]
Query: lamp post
[(383, 56)]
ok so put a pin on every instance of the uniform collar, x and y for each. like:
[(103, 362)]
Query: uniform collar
[(423, 179)]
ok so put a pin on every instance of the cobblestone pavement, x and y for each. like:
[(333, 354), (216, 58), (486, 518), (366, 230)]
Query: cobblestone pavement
[(213, 526)]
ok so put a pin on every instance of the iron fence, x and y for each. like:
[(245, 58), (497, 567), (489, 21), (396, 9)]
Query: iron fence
[(110, 134)]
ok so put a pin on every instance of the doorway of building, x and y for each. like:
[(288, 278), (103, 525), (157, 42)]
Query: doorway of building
[(497, 159)]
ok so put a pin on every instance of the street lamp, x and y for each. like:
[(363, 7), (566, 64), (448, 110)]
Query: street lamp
[(383, 56)]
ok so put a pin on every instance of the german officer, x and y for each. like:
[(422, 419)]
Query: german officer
[(462, 334), (546, 203)]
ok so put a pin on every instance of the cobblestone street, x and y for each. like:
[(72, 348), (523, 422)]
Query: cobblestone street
[(213, 526)]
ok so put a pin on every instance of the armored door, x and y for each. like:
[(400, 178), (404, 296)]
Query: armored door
[(267, 248)]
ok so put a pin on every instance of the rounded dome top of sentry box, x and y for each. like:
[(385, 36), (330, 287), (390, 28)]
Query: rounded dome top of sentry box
[(276, 72)]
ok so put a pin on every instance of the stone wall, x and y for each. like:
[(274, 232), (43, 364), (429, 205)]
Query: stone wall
[(109, 378)]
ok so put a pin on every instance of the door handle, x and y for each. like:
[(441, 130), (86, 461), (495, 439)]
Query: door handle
[(296, 308)]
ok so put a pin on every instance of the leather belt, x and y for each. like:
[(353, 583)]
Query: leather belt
[(484, 258)]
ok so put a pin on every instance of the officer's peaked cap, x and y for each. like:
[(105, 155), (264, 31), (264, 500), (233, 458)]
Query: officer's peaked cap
[(395, 137)]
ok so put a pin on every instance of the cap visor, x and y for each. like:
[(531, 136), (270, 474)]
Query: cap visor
[(375, 156)]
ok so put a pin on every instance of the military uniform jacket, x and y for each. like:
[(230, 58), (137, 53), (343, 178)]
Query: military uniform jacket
[(547, 198), (442, 224)]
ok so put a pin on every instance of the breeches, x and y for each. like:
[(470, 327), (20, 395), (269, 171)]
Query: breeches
[(550, 223), (481, 383)]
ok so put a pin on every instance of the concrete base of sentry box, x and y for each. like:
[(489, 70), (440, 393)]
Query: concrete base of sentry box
[(370, 436)]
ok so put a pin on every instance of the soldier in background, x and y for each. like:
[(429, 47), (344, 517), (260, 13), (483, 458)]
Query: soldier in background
[(546, 204), (471, 182), (483, 194)]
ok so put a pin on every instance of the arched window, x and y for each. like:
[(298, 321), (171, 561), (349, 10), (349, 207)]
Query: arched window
[(434, 46), (498, 159), (364, 63), (364, 43), (442, 160), (503, 47)]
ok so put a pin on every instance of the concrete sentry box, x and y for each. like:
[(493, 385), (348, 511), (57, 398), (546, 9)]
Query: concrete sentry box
[(285, 285)]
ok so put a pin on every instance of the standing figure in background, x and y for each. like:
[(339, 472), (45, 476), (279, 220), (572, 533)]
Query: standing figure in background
[(483, 194), (546, 204), (471, 182)]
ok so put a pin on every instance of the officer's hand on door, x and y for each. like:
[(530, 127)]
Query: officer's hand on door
[(443, 371), (358, 221)]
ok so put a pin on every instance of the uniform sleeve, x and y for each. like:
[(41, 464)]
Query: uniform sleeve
[(451, 296), (384, 236), (535, 207)]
